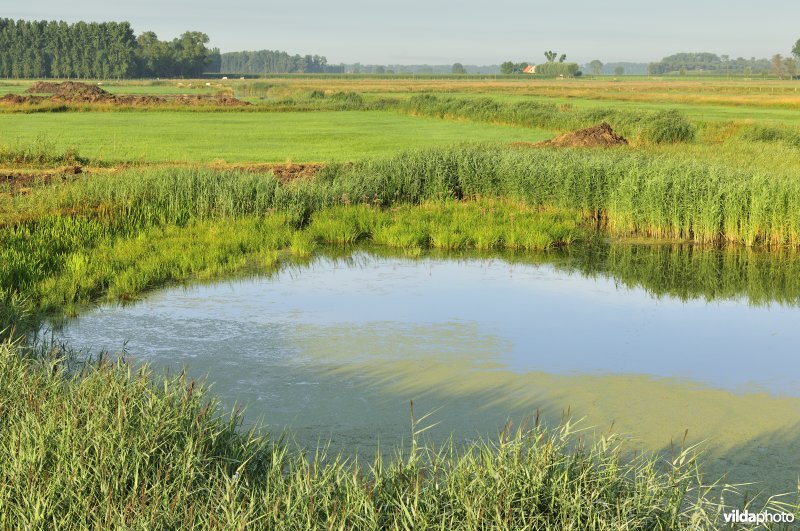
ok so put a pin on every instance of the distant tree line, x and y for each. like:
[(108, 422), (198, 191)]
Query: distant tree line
[(271, 62), (787, 66), (597, 67), (358, 68), (102, 50), (553, 69), (549, 69), (57, 49), (708, 62), (186, 56), (510, 67)]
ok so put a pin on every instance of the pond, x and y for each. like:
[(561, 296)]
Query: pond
[(649, 341)]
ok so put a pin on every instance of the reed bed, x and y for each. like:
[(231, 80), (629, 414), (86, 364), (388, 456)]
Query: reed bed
[(64, 244), (105, 445), (632, 192), (60, 263), (656, 127)]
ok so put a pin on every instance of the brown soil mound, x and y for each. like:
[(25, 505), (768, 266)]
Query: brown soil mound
[(21, 182), (284, 172), (287, 172), (228, 101), (68, 89), (17, 99), (217, 101), (598, 135), (74, 92)]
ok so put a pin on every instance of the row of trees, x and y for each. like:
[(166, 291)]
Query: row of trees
[(597, 68), (186, 56), (510, 67), (550, 68), (708, 62), (57, 49), (787, 66), (42, 49), (271, 61), (779, 65)]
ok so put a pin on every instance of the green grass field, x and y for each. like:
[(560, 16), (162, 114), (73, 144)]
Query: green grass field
[(699, 112), (248, 137)]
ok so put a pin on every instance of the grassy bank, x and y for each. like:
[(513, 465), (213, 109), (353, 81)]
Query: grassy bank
[(58, 263), (112, 447), (662, 195), (122, 233)]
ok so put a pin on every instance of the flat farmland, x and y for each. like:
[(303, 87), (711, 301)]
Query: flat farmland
[(251, 137)]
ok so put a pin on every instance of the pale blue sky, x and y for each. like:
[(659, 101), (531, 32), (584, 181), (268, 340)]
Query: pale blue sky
[(445, 31)]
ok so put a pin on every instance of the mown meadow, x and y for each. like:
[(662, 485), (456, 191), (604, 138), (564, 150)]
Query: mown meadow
[(102, 443)]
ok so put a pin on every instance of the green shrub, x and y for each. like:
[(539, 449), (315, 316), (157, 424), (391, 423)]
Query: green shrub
[(669, 127), (772, 134), (553, 69), (348, 99)]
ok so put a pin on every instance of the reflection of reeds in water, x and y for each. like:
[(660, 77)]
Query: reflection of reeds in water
[(687, 272)]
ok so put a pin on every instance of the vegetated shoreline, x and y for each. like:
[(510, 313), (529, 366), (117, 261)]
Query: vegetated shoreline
[(118, 235), (57, 231), (109, 445)]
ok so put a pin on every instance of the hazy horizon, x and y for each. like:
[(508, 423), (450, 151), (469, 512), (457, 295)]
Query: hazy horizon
[(442, 32)]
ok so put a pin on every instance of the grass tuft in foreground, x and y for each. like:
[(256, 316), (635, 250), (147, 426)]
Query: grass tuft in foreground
[(108, 446)]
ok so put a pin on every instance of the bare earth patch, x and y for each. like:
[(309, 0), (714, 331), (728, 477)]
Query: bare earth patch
[(284, 172), (600, 135), (75, 92)]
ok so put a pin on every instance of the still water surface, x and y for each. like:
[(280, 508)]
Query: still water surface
[(335, 350)]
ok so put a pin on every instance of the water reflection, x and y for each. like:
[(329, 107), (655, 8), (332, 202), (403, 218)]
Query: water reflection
[(653, 339)]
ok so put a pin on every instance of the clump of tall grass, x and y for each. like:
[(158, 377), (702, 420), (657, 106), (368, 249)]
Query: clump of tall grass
[(655, 194), (660, 127), (109, 446), (41, 151), (484, 224), (669, 127), (348, 99), (60, 263), (17, 314), (772, 134), (253, 89)]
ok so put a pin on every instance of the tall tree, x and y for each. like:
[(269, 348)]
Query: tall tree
[(550, 56), (796, 50), (458, 68), (191, 54), (777, 65), (596, 66), (790, 65), (155, 58)]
